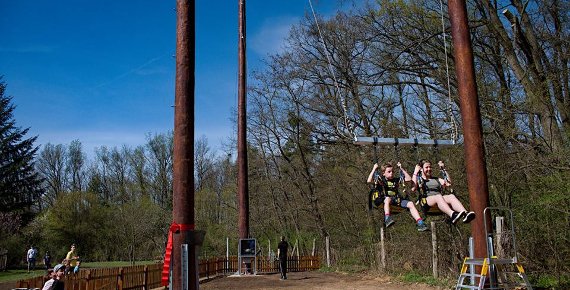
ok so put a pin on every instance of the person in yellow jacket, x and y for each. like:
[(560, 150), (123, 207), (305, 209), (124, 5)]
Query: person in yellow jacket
[(72, 256)]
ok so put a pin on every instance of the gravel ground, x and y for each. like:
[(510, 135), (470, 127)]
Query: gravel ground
[(312, 281)]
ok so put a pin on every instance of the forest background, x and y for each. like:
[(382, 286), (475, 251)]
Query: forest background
[(383, 70)]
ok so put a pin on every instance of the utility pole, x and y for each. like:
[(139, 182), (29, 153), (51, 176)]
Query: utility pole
[(472, 126), (182, 228), (243, 191)]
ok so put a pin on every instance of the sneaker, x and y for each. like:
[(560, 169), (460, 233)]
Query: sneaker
[(456, 216), (388, 220), (469, 217), (422, 227)]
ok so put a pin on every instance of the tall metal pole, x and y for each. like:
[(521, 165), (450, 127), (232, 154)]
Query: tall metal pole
[(183, 166), (472, 128), (243, 191)]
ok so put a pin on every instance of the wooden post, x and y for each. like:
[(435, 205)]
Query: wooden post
[(313, 251), (242, 183), (500, 224), (227, 264), (207, 268), (87, 280), (120, 279), (382, 250), (473, 144), (145, 278), (434, 253), (328, 249)]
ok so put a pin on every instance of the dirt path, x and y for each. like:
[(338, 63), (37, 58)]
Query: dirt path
[(311, 281)]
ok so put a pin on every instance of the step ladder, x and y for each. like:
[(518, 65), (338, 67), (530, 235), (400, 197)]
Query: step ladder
[(505, 278), (504, 273), (484, 263)]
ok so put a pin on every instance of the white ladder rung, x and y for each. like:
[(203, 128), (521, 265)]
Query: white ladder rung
[(472, 275), (466, 286), (474, 261)]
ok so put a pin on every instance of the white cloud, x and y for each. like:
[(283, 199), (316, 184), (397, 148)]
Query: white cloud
[(270, 38)]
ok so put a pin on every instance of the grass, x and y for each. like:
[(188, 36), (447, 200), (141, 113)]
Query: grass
[(19, 274), (413, 277), (13, 275)]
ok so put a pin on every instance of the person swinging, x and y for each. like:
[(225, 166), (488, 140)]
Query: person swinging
[(386, 188), (432, 192)]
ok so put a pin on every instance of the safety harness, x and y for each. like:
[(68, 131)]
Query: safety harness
[(423, 194), (383, 188)]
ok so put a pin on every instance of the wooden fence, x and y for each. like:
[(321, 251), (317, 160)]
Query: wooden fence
[(146, 277)]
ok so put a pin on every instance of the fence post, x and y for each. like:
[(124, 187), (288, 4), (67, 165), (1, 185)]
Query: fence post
[(207, 268), (87, 280), (383, 248), (500, 224), (120, 279), (227, 265), (314, 244), (434, 249), (328, 249), (145, 277)]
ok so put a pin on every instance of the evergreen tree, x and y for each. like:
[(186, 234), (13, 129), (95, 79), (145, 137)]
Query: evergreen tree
[(20, 184)]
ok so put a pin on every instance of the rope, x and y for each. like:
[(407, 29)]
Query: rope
[(331, 71), (451, 117)]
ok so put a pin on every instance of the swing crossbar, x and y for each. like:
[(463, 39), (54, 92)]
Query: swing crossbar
[(359, 140)]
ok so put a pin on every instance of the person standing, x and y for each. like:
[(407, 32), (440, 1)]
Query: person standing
[(282, 248), (31, 258), (47, 260)]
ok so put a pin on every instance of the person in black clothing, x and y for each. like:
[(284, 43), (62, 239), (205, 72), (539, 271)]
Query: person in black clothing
[(47, 260), (282, 248)]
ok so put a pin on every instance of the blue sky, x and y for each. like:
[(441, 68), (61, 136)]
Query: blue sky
[(102, 72)]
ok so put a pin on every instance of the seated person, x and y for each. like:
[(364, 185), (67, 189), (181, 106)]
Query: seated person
[(388, 185), (431, 193)]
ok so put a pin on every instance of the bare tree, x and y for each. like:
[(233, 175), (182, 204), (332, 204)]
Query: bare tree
[(75, 166), (160, 150), (51, 165)]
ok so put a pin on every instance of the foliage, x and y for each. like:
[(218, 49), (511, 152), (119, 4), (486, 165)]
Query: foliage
[(20, 185), (382, 71), (414, 277), (550, 282), (19, 182)]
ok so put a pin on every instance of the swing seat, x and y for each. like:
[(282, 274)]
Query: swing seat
[(394, 209), (434, 211), (431, 211), (376, 200)]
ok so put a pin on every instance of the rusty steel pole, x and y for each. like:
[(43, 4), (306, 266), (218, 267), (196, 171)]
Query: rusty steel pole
[(472, 126), (243, 191), (183, 163)]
